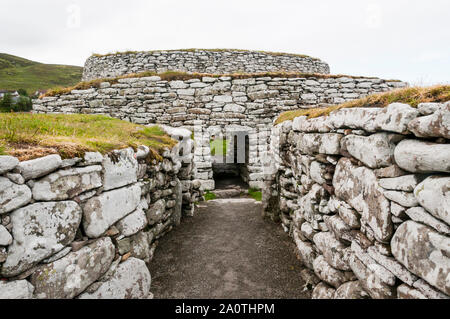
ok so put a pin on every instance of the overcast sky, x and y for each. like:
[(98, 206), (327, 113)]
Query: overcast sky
[(401, 39)]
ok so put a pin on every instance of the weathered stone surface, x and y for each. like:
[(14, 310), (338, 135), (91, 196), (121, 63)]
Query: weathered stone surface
[(12, 196), (317, 172), (356, 118), (5, 236), (429, 291), (402, 198), (435, 125), (405, 183), (382, 273), (332, 249), (156, 212), (420, 215), (351, 290), (424, 252), (17, 289), (7, 163), (131, 280), (120, 169), (389, 172), (359, 187), (434, 195), (328, 274), (323, 291), (306, 251), (392, 265), (422, 157), (40, 166), (40, 230), (101, 212), (134, 222), (307, 230), (371, 283), (406, 292), (339, 228), (72, 274), (68, 183), (395, 117), (319, 143), (374, 151), (398, 210), (428, 108)]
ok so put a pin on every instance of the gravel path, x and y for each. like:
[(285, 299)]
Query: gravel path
[(227, 251)]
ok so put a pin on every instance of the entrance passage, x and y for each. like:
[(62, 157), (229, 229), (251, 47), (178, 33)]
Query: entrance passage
[(230, 157), (227, 250)]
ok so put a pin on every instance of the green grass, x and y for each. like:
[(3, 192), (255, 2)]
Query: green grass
[(209, 196), (18, 73), (412, 96), (218, 147), (256, 194), (29, 136)]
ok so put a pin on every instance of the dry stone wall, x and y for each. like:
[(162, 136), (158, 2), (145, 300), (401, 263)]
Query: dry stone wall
[(200, 61), (87, 227), (214, 105), (365, 195)]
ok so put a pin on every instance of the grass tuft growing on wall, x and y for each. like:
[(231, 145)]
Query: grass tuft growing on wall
[(256, 194), (209, 196), (412, 96), (29, 136)]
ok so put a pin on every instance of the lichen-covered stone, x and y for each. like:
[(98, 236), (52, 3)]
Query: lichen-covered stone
[(12, 196), (422, 157), (134, 222), (323, 291), (72, 274), (7, 163), (374, 151), (396, 117), (319, 143), (156, 212), (435, 125), (402, 198), (39, 167), (306, 251), (5, 236), (17, 289), (420, 215), (101, 212), (406, 292), (351, 290), (424, 252), (120, 169), (359, 187), (328, 274), (68, 183), (369, 280), (434, 195), (406, 183), (40, 230), (332, 249), (131, 280)]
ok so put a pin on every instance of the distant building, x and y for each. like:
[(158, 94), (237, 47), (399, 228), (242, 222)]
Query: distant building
[(13, 93)]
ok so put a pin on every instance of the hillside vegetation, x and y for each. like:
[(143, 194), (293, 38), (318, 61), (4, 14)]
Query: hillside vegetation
[(19, 73), (29, 136), (412, 96)]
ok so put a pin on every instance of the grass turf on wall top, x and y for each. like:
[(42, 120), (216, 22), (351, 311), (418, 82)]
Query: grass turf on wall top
[(182, 76), (29, 136), (412, 96)]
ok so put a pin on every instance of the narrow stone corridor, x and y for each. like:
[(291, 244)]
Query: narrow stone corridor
[(227, 251)]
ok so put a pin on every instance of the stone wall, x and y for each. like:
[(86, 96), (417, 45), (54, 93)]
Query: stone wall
[(365, 195), (87, 227), (209, 105), (200, 61)]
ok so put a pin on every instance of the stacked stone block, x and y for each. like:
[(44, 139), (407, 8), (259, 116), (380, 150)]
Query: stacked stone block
[(365, 195), (87, 227)]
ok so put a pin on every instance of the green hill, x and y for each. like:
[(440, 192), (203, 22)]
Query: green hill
[(19, 73)]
